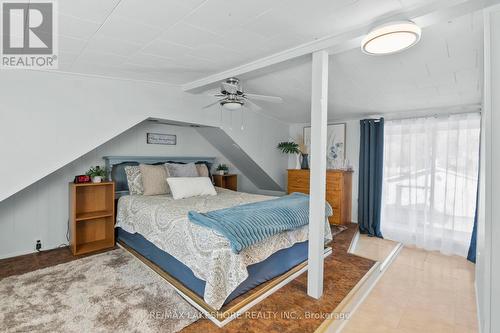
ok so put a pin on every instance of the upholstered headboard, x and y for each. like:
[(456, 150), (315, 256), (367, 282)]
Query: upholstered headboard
[(116, 166)]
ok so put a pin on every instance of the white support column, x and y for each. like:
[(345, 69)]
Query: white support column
[(319, 119)]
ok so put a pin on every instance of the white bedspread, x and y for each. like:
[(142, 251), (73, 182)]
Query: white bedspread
[(163, 221)]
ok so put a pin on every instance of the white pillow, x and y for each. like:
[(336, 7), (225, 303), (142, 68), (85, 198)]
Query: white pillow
[(186, 187)]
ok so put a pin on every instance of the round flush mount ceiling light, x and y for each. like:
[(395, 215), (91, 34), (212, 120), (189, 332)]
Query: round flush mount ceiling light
[(391, 38)]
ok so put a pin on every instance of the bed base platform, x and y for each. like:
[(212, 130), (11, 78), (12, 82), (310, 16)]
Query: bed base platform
[(229, 311)]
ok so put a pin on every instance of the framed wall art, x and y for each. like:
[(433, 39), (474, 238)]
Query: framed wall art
[(335, 150), (161, 139)]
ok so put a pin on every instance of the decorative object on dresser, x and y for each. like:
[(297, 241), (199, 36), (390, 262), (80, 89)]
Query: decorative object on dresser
[(338, 191), (92, 216), (335, 150), (227, 181)]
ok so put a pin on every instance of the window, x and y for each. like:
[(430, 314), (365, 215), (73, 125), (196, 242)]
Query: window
[(431, 170)]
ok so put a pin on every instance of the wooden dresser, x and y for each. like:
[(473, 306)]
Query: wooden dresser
[(338, 191)]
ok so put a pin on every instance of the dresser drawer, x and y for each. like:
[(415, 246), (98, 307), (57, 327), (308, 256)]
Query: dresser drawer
[(334, 219), (338, 191), (333, 184), (292, 189), (299, 181), (333, 199)]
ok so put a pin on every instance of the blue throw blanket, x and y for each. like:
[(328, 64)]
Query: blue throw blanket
[(251, 223)]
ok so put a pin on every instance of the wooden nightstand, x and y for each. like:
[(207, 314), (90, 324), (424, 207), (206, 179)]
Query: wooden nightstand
[(92, 216), (226, 181)]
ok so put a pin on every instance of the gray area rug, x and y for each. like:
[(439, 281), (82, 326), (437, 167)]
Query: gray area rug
[(109, 292)]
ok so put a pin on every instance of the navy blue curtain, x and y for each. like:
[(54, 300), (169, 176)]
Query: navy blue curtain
[(471, 255), (371, 159)]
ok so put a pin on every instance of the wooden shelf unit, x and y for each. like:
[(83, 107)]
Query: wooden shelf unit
[(229, 181), (92, 216)]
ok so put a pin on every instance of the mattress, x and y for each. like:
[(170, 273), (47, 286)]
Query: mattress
[(277, 264), (163, 222)]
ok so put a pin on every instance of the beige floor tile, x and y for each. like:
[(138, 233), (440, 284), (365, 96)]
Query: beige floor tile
[(374, 248), (420, 292), (465, 318), (465, 301), (423, 322), (411, 257), (462, 329)]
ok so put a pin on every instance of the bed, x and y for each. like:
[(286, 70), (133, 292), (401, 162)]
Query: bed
[(200, 260)]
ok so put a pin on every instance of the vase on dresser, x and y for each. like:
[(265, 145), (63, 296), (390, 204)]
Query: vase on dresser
[(305, 162), (297, 161)]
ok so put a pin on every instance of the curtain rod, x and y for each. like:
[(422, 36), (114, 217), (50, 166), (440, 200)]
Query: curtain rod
[(435, 115), (429, 112)]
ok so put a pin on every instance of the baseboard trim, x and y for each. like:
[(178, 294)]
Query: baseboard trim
[(354, 242)]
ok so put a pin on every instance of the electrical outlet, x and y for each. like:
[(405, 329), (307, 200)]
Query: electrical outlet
[(38, 245)]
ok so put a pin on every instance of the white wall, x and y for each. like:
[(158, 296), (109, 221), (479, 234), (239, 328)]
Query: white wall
[(352, 154), (50, 119), (41, 210), (488, 241)]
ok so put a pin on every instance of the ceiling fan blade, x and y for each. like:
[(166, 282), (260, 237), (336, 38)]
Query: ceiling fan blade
[(252, 106), (212, 104), (272, 99), (213, 92)]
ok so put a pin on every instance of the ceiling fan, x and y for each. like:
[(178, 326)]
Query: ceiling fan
[(233, 97)]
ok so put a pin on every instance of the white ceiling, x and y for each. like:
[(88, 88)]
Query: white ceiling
[(443, 70), (178, 41)]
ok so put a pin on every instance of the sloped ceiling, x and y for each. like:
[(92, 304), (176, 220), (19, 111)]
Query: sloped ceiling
[(239, 158)]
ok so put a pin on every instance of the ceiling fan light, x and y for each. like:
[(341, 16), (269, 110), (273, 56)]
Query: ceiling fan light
[(232, 105), (391, 38)]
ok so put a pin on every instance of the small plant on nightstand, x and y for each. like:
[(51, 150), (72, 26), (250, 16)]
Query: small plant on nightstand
[(97, 174), (222, 169)]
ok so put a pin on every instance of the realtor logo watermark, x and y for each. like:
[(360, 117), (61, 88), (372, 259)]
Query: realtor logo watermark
[(29, 35)]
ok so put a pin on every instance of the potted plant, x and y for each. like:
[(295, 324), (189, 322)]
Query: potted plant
[(291, 147), (97, 174), (222, 169)]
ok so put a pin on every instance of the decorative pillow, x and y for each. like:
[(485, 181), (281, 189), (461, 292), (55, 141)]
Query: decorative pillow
[(186, 187), (182, 170), (154, 179), (202, 170), (134, 180)]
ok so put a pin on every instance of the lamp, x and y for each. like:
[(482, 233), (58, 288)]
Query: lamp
[(391, 38), (232, 105)]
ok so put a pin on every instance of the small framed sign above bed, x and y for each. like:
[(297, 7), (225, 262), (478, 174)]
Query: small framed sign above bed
[(161, 139)]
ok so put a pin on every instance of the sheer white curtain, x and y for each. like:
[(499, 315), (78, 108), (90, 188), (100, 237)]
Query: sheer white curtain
[(430, 181)]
